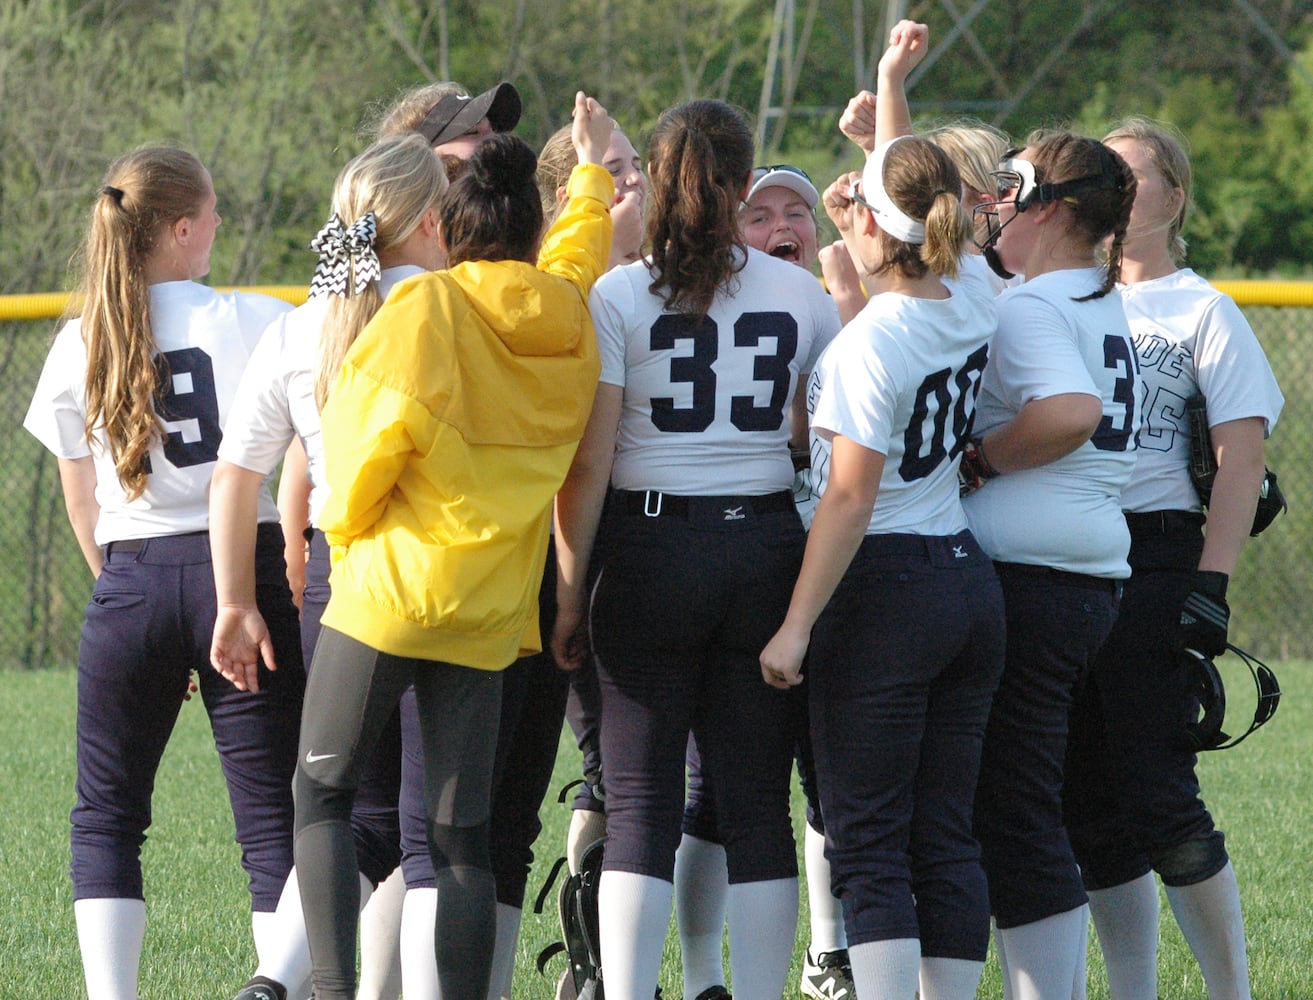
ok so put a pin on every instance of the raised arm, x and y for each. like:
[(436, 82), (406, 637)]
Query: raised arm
[(908, 43)]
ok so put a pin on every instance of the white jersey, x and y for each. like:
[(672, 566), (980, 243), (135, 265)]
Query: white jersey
[(706, 402), (276, 398), (205, 338), (1066, 514), (901, 379), (1189, 338)]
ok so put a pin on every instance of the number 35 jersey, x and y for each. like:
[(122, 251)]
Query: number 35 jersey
[(707, 400), (901, 379), (1066, 514), (204, 339)]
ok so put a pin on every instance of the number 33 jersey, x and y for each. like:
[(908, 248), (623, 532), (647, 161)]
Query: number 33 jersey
[(707, 399), (204, 339), (901, 380)]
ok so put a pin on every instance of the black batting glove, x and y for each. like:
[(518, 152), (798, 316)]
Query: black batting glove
[(1205, 615)]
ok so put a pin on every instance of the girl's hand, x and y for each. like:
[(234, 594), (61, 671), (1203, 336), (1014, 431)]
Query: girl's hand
[(858, 121), (591, 132), (838, 202), (781, 660), (908, 44)]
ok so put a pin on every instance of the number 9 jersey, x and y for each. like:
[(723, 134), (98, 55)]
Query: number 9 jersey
[(204, 339), (707, 400)]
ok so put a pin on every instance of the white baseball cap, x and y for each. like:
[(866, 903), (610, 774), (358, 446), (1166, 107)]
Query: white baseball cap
[(786, 176)]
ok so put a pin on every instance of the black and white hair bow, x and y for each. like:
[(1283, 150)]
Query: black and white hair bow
[(344, 252)]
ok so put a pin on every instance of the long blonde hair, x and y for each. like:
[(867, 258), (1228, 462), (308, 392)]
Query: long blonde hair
[(398, 179), (144, 193), (1165, 146)]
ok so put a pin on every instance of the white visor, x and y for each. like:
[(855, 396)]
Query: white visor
[(892, 219)]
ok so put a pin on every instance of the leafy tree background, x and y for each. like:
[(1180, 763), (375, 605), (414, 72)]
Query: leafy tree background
[(273, 97)]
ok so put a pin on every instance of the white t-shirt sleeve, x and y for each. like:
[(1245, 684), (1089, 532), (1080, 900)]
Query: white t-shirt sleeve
[(259, 425), (57, 414), (1233, 372), (610, 303), (824, 317), (859, 397)]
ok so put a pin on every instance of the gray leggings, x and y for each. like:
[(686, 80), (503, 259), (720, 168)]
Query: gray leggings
[(353, 691)]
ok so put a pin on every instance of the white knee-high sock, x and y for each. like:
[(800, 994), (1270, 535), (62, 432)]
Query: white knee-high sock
[(763, 921), (1042, 956), (1126, 920), (826, 912), (110, 932), (280, 940), (886, 970), (1079, 983), (949, 978), (586, 826), (503, 954), (380, 940), (419, 962), (635, 916), (701, 890), (1208, 913)]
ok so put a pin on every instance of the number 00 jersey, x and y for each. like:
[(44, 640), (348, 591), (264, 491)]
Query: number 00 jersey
[(901, 380), (706, 401), (204, 339)]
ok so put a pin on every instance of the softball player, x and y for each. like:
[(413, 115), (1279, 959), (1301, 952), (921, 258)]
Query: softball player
[(1133, 800), (384, 229), (1057, 417), (133, 400), (447, 434), (898, 710), (701, 353), (778, 218)]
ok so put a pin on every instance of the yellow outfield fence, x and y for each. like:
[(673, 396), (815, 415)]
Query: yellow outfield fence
[(49, 305), (44, 582)]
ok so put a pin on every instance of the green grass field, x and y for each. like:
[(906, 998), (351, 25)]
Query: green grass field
[(198, 938)]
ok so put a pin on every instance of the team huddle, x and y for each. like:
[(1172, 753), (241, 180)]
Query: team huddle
[(565, 439)]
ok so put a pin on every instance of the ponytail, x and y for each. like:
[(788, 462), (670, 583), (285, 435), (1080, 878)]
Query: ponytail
[(701, 158), (144, 192)]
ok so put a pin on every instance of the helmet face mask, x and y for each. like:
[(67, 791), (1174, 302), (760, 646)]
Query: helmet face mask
[(1206, 685), (1013, 175)]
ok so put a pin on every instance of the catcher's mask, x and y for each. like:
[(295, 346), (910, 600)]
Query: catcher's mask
[(1017, 175), (1205, 683)]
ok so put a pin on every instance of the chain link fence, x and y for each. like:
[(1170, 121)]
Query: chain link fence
[(45, 584)]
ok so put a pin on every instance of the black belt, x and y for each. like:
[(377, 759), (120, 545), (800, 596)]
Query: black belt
[(131, 546), (1150, 523), (1057, 576), (652, 503)]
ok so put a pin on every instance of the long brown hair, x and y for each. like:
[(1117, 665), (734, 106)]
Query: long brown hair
[(1098, 212), (398, 179), (701, 157), (144, 192)]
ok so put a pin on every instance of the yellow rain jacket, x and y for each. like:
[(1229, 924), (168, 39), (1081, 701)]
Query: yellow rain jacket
[(451, 427)]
